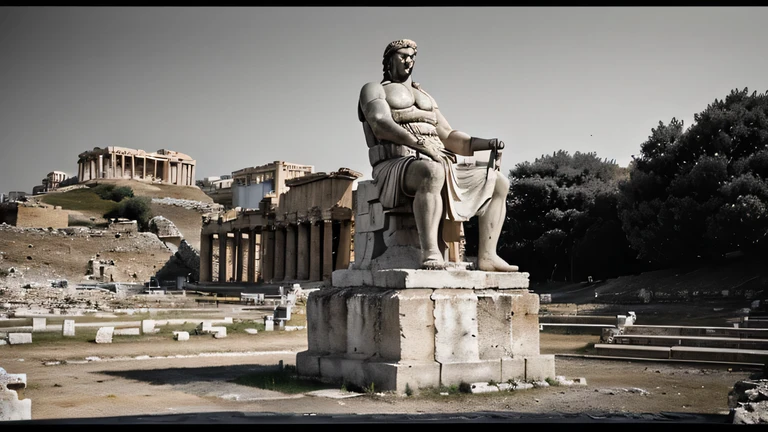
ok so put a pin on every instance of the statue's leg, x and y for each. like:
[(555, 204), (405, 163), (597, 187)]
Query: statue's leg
[(489, 226), (424, 180)]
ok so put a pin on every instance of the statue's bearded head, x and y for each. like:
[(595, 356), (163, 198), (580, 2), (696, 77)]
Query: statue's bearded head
[(403, 51)]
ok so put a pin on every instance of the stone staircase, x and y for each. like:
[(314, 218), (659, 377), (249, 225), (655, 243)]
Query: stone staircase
[(732, 345)]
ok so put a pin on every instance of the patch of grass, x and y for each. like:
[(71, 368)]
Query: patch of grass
[(284, 381), (81, 200), (408, 390), (552, 381)]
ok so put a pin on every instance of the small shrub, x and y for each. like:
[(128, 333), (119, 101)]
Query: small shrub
[(119, 193), (408, 390), (552, 381), (465, 387), (135, 208)]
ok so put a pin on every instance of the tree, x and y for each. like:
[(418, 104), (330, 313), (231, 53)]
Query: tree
[(561, 217), (701, 193)]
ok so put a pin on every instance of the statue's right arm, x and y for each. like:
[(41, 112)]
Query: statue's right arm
[(373, 102)]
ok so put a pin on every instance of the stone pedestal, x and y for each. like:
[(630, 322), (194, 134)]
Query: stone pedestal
[(423, 328)]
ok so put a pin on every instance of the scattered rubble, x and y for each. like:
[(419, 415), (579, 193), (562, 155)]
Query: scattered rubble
[(200, 206), (748, 401)]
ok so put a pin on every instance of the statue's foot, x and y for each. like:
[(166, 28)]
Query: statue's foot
[(433, 264), (495, 264), (433, 261)]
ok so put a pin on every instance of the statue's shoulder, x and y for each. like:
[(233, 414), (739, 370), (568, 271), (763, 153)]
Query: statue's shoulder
[(372, 91)]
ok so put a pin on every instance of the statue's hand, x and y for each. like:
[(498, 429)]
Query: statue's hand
[(429, 148)]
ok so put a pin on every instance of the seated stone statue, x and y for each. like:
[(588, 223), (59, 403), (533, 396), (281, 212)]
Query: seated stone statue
[(412, 150)]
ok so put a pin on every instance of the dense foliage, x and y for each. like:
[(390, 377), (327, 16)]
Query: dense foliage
[(701, 193), (561, 221)]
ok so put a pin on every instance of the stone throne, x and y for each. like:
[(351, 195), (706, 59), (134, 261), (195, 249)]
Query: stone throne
[(388, 239)]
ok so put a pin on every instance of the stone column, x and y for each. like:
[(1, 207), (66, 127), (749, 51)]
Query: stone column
[(101, 166), (237, 262), (113, 167), (345, 243), (302, 252), (267, 255), (178, 173), (290, 252), (222, 257), (206, 252), (315, 258), (122, 166), (167, 171), (192, 177), (252, 256), (144, 173), (133, 166), (279, 254), (327, 250)]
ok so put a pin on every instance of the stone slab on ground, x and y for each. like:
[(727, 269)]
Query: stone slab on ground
[(333, 394), (104, 335), (19, 338), (133, 331), (68, 328)]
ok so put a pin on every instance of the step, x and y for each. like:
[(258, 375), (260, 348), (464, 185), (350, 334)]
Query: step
[(724, 355), (692, 341), (666, 330), (719, 354), (623, 350), (578, 319)]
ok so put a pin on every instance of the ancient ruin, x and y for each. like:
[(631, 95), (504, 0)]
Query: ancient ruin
[(11, 407), (165, 166), (300, 235), (402, 318)]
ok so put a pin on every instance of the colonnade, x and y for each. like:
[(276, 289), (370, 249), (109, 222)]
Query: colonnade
[(296, 251)]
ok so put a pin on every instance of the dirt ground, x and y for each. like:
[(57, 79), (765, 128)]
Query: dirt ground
[(132, 378)]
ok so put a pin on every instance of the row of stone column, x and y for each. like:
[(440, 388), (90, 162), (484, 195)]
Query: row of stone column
[(293, 252), (185, 173)]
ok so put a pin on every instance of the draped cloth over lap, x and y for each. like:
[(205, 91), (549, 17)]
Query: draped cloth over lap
[(466, 191)]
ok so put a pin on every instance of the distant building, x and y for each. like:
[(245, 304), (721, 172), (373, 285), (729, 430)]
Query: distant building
[(17, 196), (218, 188), (53, 180), (251, 185), (164, 166)]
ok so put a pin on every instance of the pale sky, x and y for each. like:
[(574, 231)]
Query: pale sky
[(236, 87)]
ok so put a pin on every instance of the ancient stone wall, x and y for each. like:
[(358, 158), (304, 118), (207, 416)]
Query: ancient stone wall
[(33, 217)]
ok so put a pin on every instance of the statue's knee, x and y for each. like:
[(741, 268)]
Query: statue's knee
[(502, 184), (431, 174)]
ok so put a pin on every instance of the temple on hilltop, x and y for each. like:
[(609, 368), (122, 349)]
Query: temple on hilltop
[(163, 166)]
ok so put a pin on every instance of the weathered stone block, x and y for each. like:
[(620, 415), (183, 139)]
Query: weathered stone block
[(308, 364), (147, 326), (19, 338), (512, 369), (104, 335), (456, 373), (455, 326), (525, 325), (494, 322), (181, 335), (539, 367), (68, 328), (38, 324), (415, 327)]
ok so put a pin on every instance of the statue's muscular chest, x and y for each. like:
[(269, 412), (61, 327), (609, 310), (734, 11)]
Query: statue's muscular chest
[(400, 96)]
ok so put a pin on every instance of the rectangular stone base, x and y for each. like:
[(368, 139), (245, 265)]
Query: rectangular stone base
[(415, 375), (435, 279)]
